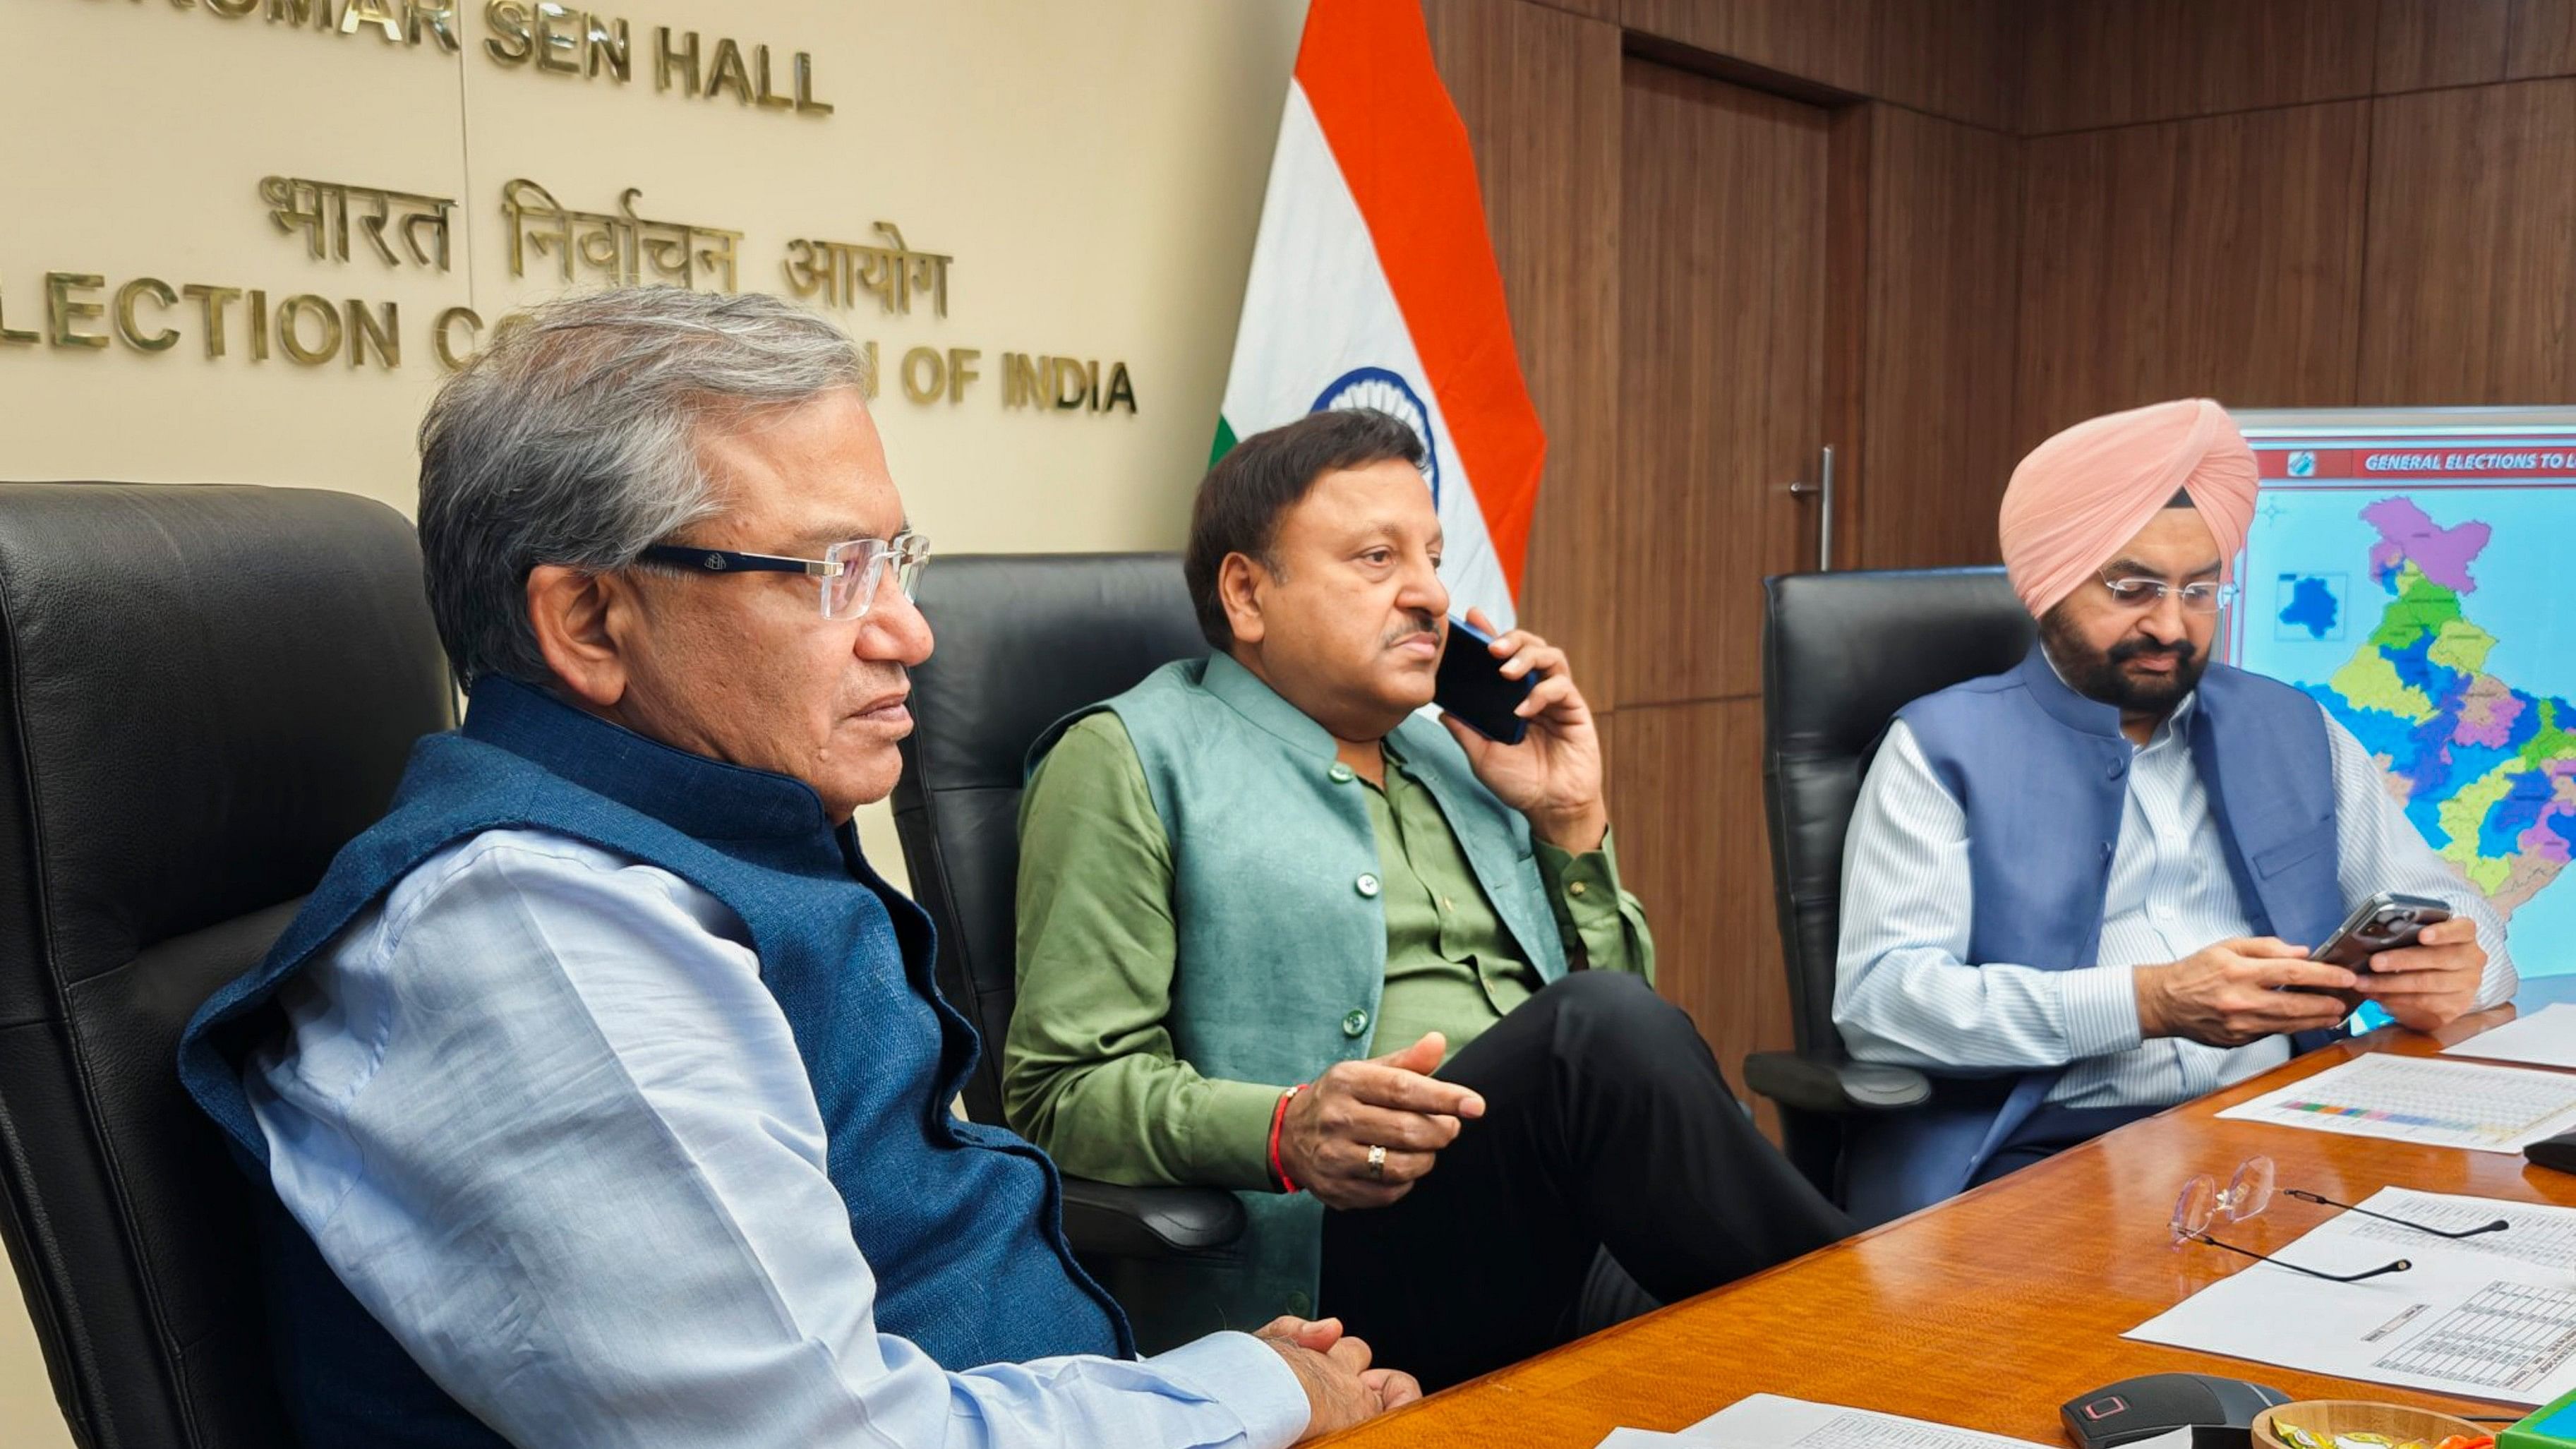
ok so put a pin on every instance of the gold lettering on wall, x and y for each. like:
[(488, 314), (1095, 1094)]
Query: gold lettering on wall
[(126, 329), (512, 41), (839, 271), (289, 336), (63, 313), (1065, 384), (212, 302), (383, 331), (616, 246), (320, 209), (15, 336), (442, 338)]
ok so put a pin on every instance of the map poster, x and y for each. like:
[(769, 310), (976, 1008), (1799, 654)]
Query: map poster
[(2419, 582)]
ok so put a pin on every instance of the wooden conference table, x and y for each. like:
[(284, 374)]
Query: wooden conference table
[(1992, 1309)]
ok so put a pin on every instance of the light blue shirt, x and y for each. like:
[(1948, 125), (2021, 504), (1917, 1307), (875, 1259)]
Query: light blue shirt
[(541, 1117), (1904, 992)]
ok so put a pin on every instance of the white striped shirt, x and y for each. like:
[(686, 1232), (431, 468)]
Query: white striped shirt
[(1905, 993)]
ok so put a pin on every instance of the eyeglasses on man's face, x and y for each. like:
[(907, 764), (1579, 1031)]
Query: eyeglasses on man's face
[(853, 573), (2204, 1204), (2136, 591)]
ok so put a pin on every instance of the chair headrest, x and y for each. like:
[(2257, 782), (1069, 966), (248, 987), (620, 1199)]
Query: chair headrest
[(1020, 640), (1847, 650), (208, 690)]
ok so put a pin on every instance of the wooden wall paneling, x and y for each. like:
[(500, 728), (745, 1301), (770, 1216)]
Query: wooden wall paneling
[(1846, 338), (2471, 289), (1693, 847), (2429, 43), (2541, 40), (2096, 240), (1539, 90), (2095, 63), (2269, 212), (2219, 256), (1588, 9), (1721, 318), (1826, 41), (1954, 58), (1944, 240)]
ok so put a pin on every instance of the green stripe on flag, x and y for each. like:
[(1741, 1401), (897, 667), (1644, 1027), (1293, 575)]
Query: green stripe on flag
[(1224, 440)]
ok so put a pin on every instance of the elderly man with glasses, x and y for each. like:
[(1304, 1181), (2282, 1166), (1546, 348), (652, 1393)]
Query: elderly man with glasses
[(2085, 890), (599, 1094)]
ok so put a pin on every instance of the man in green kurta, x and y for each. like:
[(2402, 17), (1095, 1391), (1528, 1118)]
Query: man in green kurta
[(1244, 877)]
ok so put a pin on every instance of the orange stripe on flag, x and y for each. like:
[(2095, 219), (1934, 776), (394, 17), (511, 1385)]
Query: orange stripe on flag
[(1366, 68)]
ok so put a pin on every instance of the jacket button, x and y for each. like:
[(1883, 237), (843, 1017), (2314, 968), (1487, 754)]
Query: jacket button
[(1367, 884), (1354, 1023), (1299, 1304), (1340, 775)]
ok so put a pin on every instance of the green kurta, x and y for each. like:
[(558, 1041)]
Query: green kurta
[(1088, 1069)]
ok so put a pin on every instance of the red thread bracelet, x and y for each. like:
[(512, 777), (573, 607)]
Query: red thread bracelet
[(1279, 1118)]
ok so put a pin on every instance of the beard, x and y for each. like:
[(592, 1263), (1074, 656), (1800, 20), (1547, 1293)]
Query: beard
[(2097, 674)]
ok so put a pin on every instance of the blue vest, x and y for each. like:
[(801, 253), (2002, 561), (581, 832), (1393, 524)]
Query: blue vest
[(2042, 774), (959, 1222)]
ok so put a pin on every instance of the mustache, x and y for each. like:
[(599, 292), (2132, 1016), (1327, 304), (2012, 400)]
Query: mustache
[(1417, 621), (2128, 649), (889, 678)]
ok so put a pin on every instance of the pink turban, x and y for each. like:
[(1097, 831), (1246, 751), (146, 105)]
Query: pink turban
[(2082, 494)]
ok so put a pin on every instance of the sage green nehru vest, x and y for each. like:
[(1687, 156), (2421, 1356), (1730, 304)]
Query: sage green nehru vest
[(1281, 934)]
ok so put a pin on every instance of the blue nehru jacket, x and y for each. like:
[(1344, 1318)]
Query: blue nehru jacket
[(849, 961), (2041, 773)]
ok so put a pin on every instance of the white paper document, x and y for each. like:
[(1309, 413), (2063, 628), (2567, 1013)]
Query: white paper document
[(2426, 1100), (2489, 1317), (2545, 1038), (1768, 1421)]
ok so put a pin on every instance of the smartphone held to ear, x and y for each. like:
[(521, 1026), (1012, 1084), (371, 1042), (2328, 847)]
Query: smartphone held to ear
[(1471, 686), (2386, 922)]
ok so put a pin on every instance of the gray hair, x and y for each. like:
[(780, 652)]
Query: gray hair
[(572, 439)]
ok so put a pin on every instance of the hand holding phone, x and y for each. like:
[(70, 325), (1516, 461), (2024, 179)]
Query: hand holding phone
[(1471, 685), (2386, 922), (1525, 729)]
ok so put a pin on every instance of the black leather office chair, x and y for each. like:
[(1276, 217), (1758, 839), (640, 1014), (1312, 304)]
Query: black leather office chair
[(204, 692), (1841, 653), (1023, 640)]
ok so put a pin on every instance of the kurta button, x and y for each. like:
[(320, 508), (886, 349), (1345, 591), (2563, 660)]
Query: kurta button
[(1367, 884), (1355, 1023), (1341, 774), (1574, 888)]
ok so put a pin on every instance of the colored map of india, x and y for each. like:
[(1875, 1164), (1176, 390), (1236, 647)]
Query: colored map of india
[(2487, 771)]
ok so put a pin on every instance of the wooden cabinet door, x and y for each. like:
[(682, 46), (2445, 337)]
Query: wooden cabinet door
[(1721, 399)]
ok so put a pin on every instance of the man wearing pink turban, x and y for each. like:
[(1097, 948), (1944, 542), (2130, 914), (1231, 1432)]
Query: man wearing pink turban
[(2084, 890)]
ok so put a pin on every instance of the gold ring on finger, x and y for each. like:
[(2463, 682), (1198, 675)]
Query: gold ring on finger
[(1377, 1162)]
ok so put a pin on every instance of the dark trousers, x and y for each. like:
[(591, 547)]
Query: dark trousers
[(1607, 1125), (2050, 1131)]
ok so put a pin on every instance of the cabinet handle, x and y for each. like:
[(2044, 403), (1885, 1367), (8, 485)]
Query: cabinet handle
[(1822, 490)]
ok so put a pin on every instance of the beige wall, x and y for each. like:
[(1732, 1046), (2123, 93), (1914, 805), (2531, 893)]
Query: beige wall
[(1096, 171)]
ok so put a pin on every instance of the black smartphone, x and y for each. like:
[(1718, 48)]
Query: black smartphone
[(1472, 687), (2385, 922)]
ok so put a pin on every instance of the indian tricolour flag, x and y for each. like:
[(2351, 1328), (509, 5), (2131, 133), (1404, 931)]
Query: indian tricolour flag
[(1373, 285)]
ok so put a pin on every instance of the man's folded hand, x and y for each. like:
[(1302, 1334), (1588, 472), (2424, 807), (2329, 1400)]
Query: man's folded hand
[(1341, 1387)]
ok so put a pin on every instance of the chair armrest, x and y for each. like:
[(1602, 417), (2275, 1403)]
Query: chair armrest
[(1148, 1222), (1837, 1087)]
